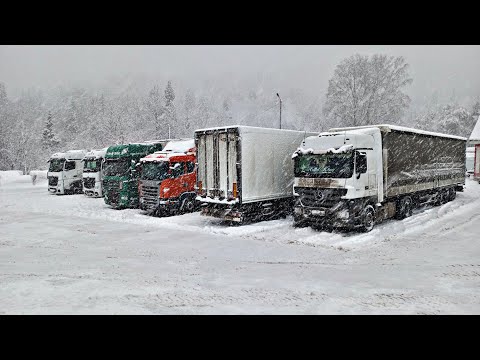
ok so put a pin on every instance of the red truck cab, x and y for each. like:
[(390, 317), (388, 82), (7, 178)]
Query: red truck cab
[(167, 180)]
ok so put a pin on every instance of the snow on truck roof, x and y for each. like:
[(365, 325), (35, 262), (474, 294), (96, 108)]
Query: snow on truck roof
[(388, 128), (179, 146), (255, 128), (96, 153), (475, 136), (70, 155), (172, 149)]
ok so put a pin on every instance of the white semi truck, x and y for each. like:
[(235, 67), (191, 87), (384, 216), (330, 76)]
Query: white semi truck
[(93, 172), (356, 177), (65, 172), (245, 173)]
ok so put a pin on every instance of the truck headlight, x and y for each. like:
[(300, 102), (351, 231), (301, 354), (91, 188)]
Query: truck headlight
[(343, 214), (298, 210)]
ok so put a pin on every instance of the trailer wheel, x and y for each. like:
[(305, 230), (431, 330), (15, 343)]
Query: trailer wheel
[(405, 208), (368, 218), (444, 197)]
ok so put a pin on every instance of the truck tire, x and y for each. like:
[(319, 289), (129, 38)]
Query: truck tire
[(405, 208), (452, 194), (368, 219), (299, 222), (188, 205)]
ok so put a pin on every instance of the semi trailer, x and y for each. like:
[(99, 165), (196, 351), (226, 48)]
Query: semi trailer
[(120, 178), (93, 172), (356, 177), (65, 172), (167, 179), (245, 173)]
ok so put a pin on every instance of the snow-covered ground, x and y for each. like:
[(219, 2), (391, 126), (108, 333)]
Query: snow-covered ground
[(73, 254)]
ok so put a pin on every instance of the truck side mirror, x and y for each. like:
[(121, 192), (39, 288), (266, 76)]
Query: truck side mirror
[(361, 164)]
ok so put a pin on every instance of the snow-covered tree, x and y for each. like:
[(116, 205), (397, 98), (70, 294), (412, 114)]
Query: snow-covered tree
[(155, 110), (366, 90), (49, 139), (190, 106), (3, 95), (169, 112)]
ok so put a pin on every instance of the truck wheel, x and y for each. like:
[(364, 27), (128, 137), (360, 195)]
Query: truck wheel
[(188, 205), (452, 194), (299, 222), (405, 208), (368, 218)]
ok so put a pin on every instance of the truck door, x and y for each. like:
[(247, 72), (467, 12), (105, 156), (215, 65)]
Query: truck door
[(361, 174)]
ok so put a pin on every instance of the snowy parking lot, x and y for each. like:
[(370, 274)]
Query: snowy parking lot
[(75, 255)]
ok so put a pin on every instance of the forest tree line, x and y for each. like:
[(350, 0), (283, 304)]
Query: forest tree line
[(363, 90)]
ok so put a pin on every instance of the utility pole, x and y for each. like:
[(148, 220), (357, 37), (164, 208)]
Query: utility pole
[(280, 110), (169, 131)]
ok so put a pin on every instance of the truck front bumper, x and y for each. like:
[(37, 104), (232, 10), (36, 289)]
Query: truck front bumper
[(162, 207), (340, 217), (55, 190), (225, 213)]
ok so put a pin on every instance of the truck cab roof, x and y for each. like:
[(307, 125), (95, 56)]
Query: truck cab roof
[(169, 156), (96, 154), (70, 155)]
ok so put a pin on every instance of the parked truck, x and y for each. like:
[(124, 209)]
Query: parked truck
[(167, 179), (358, 176), (65, 172), (245, 173), (120, 178), (93, 172)]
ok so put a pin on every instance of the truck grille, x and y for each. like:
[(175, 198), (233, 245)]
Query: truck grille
[(150, 196), (109, 184), (52, 181), (320, 197), (89, 183)]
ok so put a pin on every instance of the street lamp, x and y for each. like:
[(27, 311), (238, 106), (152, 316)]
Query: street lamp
[(280, 110)]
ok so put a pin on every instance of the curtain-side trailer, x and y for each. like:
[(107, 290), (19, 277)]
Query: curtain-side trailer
[(358, 176)]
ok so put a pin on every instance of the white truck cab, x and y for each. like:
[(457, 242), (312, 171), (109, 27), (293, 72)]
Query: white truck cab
[(93, 172), (65, 172)]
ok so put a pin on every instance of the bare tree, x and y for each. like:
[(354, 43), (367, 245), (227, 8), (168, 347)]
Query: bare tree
[(366, 90)]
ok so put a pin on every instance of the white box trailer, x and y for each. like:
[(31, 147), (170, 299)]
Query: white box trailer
[(244, 172)]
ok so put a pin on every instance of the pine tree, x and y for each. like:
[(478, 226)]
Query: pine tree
[(49, 140)]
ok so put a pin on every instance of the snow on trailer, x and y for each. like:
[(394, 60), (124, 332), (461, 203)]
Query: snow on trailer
[(245, 172)]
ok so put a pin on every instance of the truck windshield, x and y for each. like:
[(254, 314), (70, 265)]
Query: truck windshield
[(154, 170), (91, 165), (56, 165), (325, 165), (116, 167)]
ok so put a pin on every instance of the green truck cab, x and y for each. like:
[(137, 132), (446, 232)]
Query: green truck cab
[(120, 181)]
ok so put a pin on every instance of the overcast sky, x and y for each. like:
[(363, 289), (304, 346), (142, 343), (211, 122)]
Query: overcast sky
[(445, 68)]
